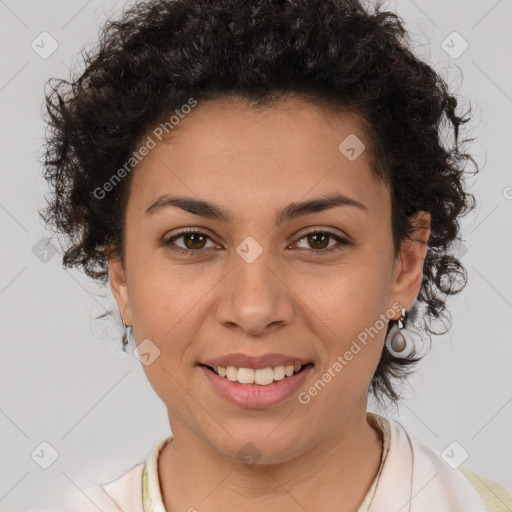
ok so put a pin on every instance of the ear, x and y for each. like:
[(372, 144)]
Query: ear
[(408, 269), (118, 285)]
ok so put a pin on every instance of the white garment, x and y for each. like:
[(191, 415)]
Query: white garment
[(123, 494), (412, 478), (416, 479)]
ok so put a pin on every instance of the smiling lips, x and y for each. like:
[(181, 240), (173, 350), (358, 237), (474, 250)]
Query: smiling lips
[(261, 370), (256, 382), (261, 376)]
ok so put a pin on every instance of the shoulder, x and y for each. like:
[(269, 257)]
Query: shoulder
[(415, 474), (123, 494), (458, 484), (490, 493)]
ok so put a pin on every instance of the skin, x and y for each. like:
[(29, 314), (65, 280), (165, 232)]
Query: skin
[(320, 456)]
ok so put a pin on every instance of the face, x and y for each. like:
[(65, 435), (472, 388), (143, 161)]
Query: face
[(268, 277)]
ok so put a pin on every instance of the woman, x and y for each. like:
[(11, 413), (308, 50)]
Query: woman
[(265, 187)]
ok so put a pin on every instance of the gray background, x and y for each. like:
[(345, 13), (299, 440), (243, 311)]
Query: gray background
[(63, 377)]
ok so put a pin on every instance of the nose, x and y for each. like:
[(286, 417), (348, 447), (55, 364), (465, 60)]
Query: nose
[(255, 297)]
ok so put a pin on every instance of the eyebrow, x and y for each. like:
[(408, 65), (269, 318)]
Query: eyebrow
[(215, 211)]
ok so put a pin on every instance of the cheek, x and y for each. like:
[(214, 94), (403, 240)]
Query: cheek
[(162, 297), (352, 330), (164, 313), (349, 313), (348, 299), (168, 307)]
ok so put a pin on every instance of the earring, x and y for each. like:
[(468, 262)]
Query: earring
[(128, 329), (396, 342)]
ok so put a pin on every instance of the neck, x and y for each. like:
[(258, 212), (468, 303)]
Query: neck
[(335, 474)]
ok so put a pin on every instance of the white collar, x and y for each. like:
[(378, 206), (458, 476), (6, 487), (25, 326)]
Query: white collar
[(415, 478)]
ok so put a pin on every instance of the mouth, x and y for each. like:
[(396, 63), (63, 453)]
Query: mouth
[(258, 377), (256, 388)]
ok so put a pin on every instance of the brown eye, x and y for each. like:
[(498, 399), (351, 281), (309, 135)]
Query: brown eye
[(319, 242), (193, 241)]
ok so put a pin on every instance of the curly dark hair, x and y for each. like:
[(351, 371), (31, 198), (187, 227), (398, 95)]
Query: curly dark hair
[(159, 54)]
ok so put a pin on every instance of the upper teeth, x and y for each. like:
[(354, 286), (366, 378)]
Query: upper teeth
[(262, 376)]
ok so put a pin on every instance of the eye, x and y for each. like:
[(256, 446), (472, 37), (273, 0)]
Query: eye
[(320, 239), (194, 241)]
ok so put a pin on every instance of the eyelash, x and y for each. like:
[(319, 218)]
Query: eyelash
[(313, 252)]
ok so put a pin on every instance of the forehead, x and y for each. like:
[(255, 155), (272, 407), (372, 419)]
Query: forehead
[(228, 151)]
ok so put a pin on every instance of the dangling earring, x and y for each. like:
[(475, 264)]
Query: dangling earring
[(396, 342), (127, 333)]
